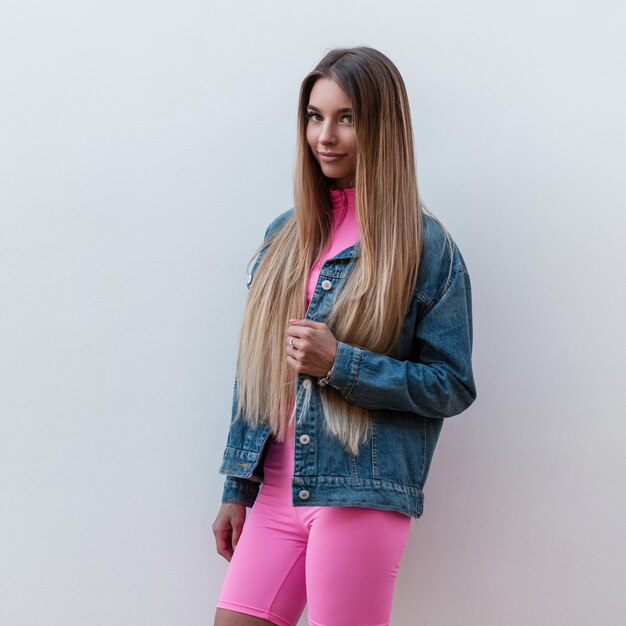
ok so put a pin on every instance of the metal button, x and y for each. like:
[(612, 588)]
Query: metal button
[(249, 278), (326, 285), (304, 494), (304, 439), (306, 383)]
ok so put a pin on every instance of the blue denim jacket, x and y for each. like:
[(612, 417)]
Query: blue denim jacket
[(427, 377)]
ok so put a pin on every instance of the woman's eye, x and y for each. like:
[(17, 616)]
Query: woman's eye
[(347, 117)]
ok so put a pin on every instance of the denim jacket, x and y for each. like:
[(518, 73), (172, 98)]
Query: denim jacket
[(408, 392)]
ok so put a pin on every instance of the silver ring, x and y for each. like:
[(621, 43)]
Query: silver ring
[(291, 343)]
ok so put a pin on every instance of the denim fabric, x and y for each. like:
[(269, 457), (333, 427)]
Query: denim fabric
[(409, 392)]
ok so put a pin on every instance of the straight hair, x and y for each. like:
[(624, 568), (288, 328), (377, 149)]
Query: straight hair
[(372, 305)]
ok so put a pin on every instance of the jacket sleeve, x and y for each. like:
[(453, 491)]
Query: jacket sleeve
[(245, 490), (240, 490), (437, 382), (270, 232)]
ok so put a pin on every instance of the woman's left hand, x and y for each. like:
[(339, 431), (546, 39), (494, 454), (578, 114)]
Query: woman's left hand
[(313, 347)]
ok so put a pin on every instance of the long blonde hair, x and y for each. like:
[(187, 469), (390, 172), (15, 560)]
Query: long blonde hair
[(370, 309)]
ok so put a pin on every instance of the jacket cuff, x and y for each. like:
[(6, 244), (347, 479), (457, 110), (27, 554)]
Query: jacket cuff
[(346, 368), (240, 491)]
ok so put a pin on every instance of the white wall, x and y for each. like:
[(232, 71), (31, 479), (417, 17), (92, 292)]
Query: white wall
[(144, 147)]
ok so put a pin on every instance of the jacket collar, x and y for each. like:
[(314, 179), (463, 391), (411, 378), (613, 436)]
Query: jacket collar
[(353, 252)]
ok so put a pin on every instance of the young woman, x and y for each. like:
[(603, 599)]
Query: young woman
[(355, 345)]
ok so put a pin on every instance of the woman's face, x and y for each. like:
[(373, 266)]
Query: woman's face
[(330, 131)]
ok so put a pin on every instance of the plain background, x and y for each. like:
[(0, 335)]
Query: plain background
[(144, 148)]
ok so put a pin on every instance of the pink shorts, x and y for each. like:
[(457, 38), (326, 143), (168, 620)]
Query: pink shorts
[(342, 560)]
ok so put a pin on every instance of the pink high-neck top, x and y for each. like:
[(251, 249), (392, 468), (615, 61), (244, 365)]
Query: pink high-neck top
[(345, 233)]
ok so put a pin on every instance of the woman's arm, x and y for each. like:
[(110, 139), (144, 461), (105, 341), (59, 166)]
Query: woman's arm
[(437, 382)]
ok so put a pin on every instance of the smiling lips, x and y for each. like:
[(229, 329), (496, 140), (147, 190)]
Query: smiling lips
[(330, 156)]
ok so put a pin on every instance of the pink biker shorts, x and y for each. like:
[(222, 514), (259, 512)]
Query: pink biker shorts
[(343, 560)]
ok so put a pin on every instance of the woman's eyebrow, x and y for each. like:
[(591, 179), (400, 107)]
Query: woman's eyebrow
[(342, 110)]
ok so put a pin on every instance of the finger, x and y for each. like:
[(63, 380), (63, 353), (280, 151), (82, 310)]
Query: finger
[(299, 332), (224, 543), (238, 522), (299, 347), (236, 534), (306, 323), (294, 363), (298, 354)]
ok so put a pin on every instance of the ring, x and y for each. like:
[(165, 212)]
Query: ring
[(291, 343)]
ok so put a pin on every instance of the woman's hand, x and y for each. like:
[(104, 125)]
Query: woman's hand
[(311, 347), (227, 528)]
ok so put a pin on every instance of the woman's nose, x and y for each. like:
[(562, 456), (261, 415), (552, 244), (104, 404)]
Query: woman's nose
[(327, 134)]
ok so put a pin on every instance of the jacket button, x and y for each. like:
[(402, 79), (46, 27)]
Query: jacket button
[(304, 494), (304, 439), (306, 383), (326, 285), (249, 279)]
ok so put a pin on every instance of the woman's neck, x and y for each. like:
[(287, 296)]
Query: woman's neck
[(342, 203)]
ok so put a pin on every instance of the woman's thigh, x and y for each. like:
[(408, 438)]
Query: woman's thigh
[(266, 575), (353, 556), (226, 617)]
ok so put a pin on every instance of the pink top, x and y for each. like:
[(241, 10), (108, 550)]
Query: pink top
[(345, 233)]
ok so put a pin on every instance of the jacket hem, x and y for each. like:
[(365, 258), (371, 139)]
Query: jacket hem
[(240, 491), (368, 493)]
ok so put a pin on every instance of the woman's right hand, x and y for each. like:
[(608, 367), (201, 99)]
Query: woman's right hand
[(227, 528)]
